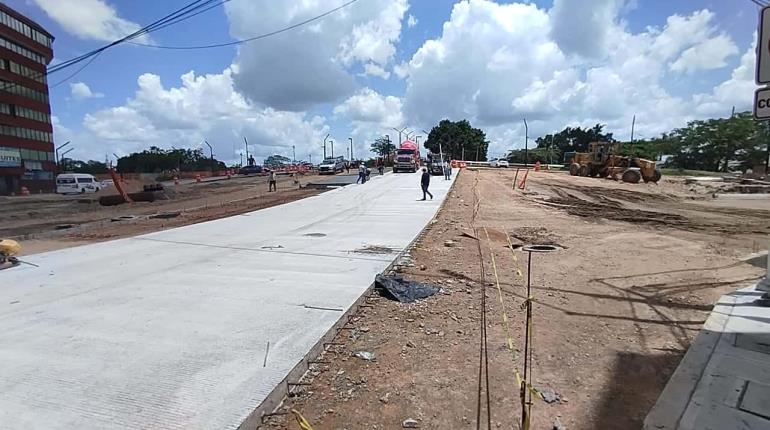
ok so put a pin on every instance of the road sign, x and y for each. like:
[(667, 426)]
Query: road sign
[(762, 104), (763, 50)]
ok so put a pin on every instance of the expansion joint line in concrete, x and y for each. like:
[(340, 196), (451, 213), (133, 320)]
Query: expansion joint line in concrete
[(271, 251)]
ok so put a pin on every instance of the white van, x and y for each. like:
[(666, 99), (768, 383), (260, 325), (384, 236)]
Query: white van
[(71, 183)]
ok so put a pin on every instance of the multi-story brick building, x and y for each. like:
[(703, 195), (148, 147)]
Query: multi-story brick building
[(26, 139)]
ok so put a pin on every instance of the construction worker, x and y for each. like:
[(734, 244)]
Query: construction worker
[(361, 173), (447, 170), (271, 182), (425, 183)]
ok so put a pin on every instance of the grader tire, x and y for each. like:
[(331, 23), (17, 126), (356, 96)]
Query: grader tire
[(584, 170), (574, 168), (655, 177), (632, 176)]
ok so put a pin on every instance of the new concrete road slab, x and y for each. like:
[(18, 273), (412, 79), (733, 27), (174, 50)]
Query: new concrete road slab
[(723, 382), (170, 330)]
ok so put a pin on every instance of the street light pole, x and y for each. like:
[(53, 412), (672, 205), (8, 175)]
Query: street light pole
[(247, 148), (65, 153), (351, 148), (399, 133), (327, 136), (387, 140), (211, 151), (293, 154), (526, 143), (332, 143), (57, 153)]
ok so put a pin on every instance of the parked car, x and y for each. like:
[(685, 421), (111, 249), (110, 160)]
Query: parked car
[(251, 170), (498, 163), (73, 183), (331, 165), (107, 183)]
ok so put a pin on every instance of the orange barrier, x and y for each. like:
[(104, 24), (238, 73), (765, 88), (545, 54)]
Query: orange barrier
[(197, 178), (24, 191), (523, 180), (515, 177), (537, 166)]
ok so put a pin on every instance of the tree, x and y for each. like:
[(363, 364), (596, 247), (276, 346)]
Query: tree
[(383, 147), (543, 155), (156, 160), (277, 161), (78, 166), (574, 139), (458, 140), (718, 144)]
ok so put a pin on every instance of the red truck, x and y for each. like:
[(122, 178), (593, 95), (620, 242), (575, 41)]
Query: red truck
[(407, 157)]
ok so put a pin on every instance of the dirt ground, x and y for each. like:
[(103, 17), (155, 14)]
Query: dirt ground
[(48, 222), (615, 309)]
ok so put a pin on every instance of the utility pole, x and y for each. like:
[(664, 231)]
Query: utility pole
[(550, 152), (332, 143), (293, 155), (327, 136), (633, 123), (247, 148), (310, 158), (526, 143), (351, 148), (211, 151)]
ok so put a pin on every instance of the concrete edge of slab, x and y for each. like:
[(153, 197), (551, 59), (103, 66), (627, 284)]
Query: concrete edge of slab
[(275, 399), (757, 259), (277, 396), (674, 402)]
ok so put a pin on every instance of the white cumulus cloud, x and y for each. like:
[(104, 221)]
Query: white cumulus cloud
[(81, 91), (88, 19), (202, 107), (496, 64), (411, 21), (311, 65)]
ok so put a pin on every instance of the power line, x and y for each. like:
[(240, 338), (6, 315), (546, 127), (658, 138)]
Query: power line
[(758, 3), (181, 14), (251, 39)]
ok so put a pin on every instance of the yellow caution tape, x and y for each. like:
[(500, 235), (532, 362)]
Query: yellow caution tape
[(520, 382), (303, 424)]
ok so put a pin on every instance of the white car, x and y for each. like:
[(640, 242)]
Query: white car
[(498, 163)]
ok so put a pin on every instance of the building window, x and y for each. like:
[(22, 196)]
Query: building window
[(26, 72), (15, 88), (34, 56), (23, 112), (26, 133), (25, 29)]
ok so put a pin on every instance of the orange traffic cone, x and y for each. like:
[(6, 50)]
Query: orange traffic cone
[(198, 177)]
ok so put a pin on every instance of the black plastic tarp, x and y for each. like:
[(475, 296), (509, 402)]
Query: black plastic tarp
[(402, 290)]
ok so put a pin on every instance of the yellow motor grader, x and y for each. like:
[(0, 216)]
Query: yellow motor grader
[(602, 161)]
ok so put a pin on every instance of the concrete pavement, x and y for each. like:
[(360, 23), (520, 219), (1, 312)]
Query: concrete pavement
[(723, 382), (171, 329)]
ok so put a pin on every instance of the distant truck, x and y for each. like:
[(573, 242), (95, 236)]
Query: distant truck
[(435, 164), (407, 157)]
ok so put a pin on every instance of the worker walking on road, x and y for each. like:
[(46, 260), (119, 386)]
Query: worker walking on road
[(361, 173), (425, 182), (271, 182), (447, 171)]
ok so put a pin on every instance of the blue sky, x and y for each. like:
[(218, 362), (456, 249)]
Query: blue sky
[(562, 62)]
